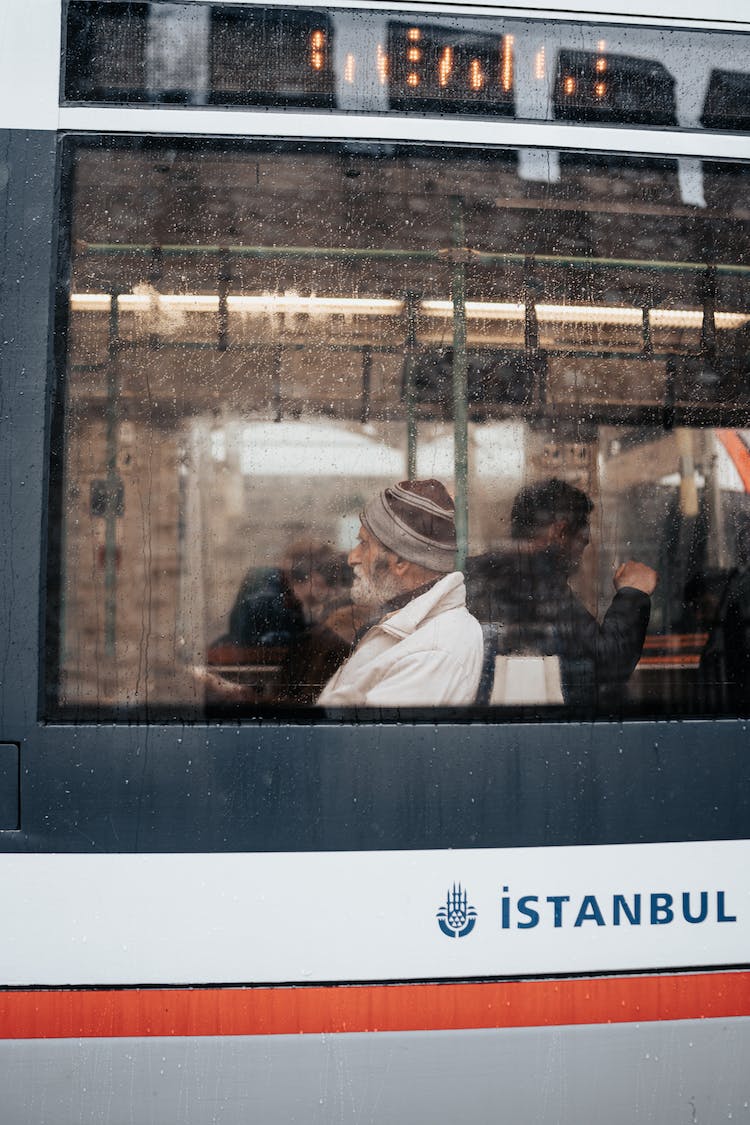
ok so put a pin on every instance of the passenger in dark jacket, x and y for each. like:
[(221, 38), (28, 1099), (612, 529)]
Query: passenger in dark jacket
[(524, 591), (724, 674)]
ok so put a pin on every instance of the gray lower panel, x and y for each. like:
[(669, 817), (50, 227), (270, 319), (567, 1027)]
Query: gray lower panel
[(686, 1073)]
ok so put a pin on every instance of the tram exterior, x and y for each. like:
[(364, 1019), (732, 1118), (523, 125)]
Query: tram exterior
[(260, 262)]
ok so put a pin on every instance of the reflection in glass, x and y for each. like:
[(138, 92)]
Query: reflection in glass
[(375, 62)]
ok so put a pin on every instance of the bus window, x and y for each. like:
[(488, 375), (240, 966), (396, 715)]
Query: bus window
[(259, 339)]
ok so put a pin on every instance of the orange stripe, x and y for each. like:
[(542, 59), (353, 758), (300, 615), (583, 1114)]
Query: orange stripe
[(739, 453), (676, 641), (86, 1013)]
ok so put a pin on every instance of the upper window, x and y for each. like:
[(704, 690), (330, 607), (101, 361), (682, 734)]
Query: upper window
[(262, 342), (378, 61)]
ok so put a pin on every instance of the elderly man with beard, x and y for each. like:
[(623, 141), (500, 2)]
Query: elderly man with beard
[(422, 648)]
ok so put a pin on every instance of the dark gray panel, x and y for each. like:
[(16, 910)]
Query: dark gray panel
[(9, 790), (652, 1073), (343, 788), (27, 218)]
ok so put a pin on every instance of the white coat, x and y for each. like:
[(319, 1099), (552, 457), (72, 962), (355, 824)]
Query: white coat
[(426, 654)]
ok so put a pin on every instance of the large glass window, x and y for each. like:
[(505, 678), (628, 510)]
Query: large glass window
[(260, 341)]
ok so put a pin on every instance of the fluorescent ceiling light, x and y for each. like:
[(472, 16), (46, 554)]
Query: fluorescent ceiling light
[(274, 304), (316, 306), (479, 310), (693, 318)]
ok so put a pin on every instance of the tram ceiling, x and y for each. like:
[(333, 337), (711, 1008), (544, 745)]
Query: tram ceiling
[(524, 354), (198, 196)]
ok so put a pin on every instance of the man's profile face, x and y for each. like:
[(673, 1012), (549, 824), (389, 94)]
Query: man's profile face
[(574, 544), (375, 581)]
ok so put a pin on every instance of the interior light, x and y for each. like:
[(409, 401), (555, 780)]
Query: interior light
[(382, 63), (445, 66), (600, 89), (569, 84), (540, 65), (506, 63), (589, 314), (317, 45), (89, 302), (414, 54), (476, 75), (480, 310), (414, 35), (183, 302), (349, 68), (727, 320), (693, 318), (412, 79), (295, 304)]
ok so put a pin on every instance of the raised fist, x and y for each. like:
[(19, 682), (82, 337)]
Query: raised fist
[(636, 575)]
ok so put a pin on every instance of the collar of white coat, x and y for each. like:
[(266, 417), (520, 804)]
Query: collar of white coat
[(448, 593)]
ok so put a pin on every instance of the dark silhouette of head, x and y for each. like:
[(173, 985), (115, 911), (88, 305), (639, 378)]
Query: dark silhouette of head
[(538, 506), (553, 516)]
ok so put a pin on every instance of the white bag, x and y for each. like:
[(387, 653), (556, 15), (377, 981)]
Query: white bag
[(521, 680)]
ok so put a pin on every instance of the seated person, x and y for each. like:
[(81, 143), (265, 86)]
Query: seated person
[(422, 648), (265, 611), (724, 672), (295, 622), (524, 591), (320, 580)]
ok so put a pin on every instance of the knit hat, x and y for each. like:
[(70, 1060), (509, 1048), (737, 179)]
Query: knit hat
[(415, 520)]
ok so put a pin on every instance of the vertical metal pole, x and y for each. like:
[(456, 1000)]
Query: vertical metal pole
[(647, 343), (410, 308), (364, 415), (708, 328), (529, 291), (530, 322), (647, 339), (110, 517), (155, 275), (717, 550), (460, 386), (276, 378), (223, 281)]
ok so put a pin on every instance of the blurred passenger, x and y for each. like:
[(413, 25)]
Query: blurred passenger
[(725, 662), (320, 580), (524, 591), (701, 596), (297, 618), (265, 611), (422, 647)]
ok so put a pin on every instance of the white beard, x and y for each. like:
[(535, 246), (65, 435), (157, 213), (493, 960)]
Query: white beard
[(376, 591)]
